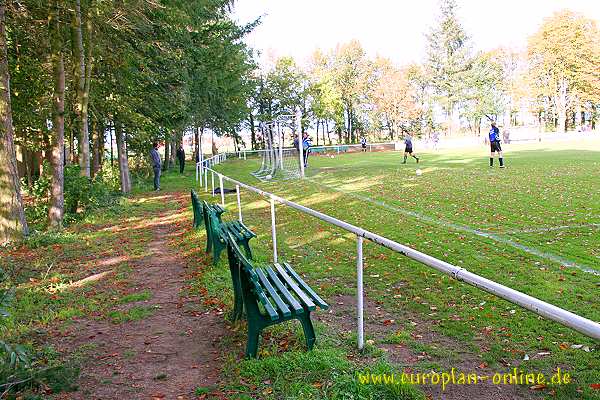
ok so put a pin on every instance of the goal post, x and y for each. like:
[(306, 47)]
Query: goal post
[(300, 141)]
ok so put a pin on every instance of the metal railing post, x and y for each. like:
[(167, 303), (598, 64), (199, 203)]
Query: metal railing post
[(212, 175), (205, 171), (222, 190), (273, 230), (237, 192), (359, 293)]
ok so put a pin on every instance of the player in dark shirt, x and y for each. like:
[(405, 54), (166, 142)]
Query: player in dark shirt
[(306, 145), (409, 149), (495, 145)]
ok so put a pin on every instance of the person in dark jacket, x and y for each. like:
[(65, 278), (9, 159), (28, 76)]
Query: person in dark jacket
[(156, 164), (181, 158), (306, 145)]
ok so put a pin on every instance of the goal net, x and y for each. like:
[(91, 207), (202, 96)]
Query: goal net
[(279, 158)]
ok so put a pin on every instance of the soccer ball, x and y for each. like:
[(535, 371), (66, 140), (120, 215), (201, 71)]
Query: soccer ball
[(419, 172), (268, 177), (332, 156)]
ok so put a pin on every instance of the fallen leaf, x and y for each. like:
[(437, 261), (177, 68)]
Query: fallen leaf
[(538, 387)]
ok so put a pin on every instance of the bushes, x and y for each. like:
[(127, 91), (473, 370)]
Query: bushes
[(23, 370), (12, 357), (81, 194)]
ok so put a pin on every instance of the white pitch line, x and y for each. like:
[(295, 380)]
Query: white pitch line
[(551, 228), (464, 228)]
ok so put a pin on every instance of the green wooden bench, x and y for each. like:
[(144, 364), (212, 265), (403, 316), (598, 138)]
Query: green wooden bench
[(198, 211), (217, 230), (271, 295)]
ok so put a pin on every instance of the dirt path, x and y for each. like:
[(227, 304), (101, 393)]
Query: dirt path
[(164, 355)]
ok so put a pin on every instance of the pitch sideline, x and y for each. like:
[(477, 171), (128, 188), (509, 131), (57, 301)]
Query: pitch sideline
[(464, 228)]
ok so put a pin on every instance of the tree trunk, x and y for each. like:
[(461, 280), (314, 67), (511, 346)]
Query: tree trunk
[(196, 144), (167, 155), (12, 217), (81, 101), (57, 143), (112, 152), (200, 151), (174, 144), (28, 161), (562, 106), (252, 133), (349, 128), (578, 116), (98, 147), (124, 176), (57, 146)]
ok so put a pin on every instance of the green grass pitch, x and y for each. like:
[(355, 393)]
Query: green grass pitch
[(534, 226)]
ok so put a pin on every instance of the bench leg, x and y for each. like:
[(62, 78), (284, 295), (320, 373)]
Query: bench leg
[(238, 307), (217, 249), (252, 344), (238, 300), (247, 249), (309, 330), (208, 240)]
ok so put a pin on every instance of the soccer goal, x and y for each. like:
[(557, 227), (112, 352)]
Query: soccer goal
[(279, 158)]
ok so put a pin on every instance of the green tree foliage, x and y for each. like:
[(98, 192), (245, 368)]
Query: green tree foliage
[(150, 68), (395, 108), (484, 91), (449, 59), (564, 60)]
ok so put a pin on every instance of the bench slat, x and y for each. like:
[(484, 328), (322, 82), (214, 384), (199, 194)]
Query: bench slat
[(305, 286), (273, 293), (235, 232), (299, 292), (259, 292), (288, 296), (266, 303), (247, 232), (243, 229)]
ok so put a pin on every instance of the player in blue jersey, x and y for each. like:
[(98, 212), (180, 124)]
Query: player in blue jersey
[(495, 145), (408, 149)]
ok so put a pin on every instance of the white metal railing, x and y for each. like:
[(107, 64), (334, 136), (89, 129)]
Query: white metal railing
[(542, 308), (208, 163)]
